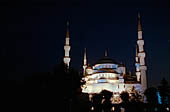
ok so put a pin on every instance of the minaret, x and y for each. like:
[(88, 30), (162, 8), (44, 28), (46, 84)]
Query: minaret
[(137, 65), (141, 56), (67, 47), (85, 62)]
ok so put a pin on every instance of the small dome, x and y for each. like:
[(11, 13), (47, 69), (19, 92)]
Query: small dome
[(89, 70)]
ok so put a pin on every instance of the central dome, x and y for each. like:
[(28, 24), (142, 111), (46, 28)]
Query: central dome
[(106, 60)]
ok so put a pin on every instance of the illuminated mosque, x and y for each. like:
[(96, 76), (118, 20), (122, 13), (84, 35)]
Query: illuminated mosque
[(107, 74)]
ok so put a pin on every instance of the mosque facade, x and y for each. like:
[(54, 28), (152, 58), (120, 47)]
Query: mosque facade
[(107, 74)]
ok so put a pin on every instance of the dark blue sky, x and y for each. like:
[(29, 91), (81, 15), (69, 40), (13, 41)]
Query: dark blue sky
[(36, 33)]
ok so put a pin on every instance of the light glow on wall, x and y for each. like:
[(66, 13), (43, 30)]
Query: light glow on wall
[(109, 79)]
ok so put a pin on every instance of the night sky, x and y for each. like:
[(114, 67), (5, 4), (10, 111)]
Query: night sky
[(35, 35)]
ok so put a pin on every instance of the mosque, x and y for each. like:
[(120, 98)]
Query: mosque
[(107, 74)]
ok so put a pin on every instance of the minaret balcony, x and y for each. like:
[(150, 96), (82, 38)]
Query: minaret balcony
[(140, 42), (143, 67), (66, 59), (67, 48), (140, 35), (141, 54)]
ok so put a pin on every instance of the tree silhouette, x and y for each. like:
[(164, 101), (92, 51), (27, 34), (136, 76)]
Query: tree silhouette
[(130, 106), (135, 96), (97, 103), (53, 90), (107, 104), (152, 98), (151, 94), (164, 90), (124, 96)]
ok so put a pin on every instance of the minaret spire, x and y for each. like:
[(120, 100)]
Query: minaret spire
[(85, 62), (67, 46), (139, 23), (67, 32)]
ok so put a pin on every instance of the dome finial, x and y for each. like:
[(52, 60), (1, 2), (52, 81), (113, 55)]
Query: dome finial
[(105, 54), (121, 62)]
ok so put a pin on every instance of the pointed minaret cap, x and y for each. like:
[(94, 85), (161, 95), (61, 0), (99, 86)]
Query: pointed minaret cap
[(139, 23), (105, 54), (85, 57), (67, 23), (67, 32), (85, 53)]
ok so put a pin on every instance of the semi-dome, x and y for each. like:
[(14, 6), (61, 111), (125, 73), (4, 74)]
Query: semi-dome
[(106, 60), (106, 70)]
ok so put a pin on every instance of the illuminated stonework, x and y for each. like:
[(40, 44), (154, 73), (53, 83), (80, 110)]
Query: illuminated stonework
[(106, 74), (67, 47)]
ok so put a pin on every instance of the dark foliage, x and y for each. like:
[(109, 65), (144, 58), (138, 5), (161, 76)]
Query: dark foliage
[(96, 103), (151, 94), (124, 96), (153, 103), (102, 101), (133, 105), (164, 90), (107, 104), (51, 91)]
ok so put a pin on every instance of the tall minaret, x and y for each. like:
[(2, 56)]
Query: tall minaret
[(141, 55), (85, 62), (137, 65), (67, 47)]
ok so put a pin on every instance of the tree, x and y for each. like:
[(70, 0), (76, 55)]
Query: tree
[(151, 95), (135, 95), (124, 96), (102, 101), (67, 80), (164, 90), (126, 104), (107, 104), (56, 88), (97, 103)]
